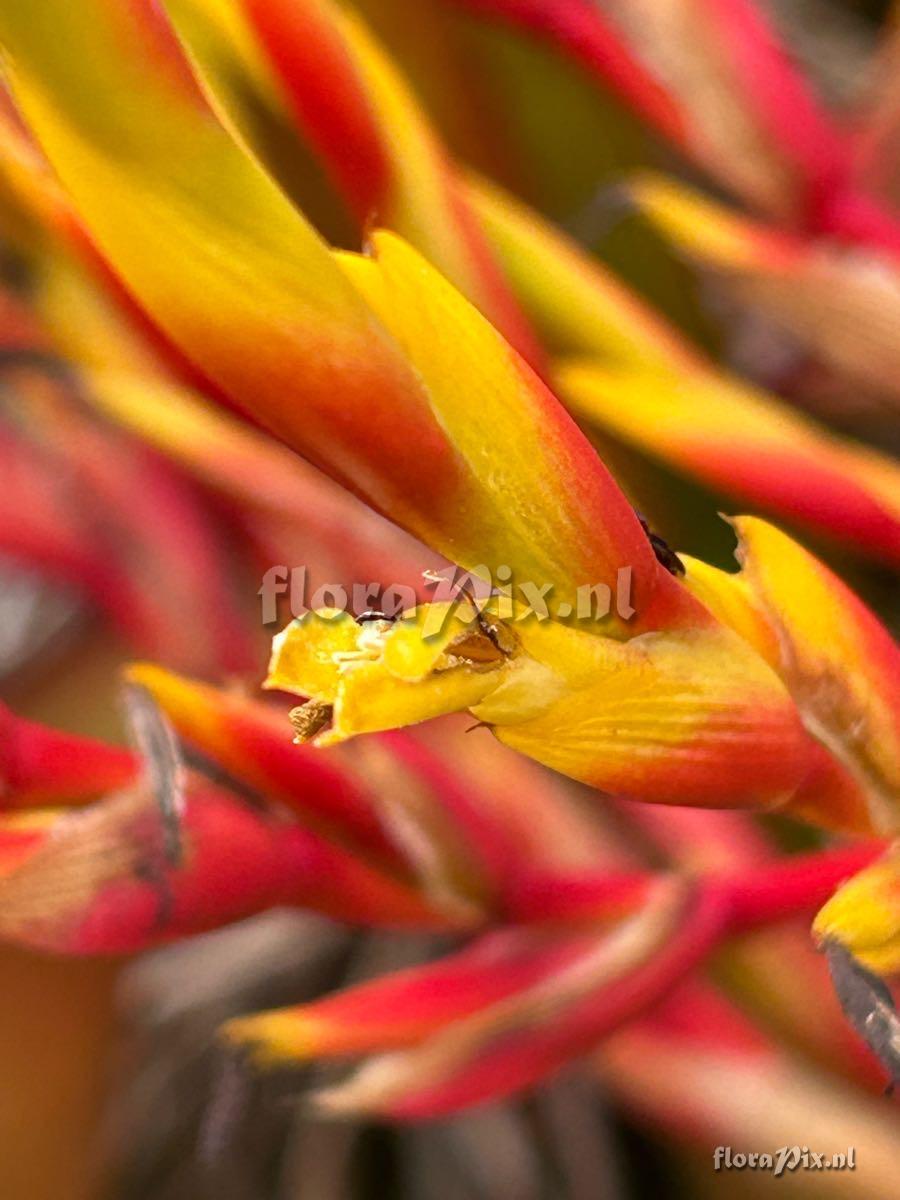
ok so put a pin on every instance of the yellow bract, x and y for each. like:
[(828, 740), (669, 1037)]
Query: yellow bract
[(864, 915)]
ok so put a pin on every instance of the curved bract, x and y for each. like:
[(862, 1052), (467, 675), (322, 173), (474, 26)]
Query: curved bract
[(304, 342), (171, 273)]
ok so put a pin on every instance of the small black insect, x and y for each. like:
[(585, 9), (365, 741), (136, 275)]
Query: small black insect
[(373, 614), (665, 555)]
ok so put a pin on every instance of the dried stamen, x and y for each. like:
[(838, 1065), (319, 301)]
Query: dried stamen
[(310, 719)]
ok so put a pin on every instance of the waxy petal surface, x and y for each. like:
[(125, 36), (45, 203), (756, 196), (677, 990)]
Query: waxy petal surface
[(184, 214), (498, 475), (517, 440), (692, 718), (838, 661)]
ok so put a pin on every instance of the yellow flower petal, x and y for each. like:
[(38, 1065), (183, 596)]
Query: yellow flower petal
[(306, 654), (384, 675)]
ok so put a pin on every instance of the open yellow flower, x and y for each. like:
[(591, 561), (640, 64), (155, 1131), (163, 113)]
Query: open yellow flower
[(664, 716)]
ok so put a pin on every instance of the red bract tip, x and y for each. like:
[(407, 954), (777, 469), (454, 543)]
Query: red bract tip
[(41, 766)]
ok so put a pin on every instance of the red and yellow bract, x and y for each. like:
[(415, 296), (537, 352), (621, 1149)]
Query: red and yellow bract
[(429, 376)]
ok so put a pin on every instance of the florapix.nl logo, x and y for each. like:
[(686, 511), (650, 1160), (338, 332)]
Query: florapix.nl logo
[(784, 1159), (511, 599)]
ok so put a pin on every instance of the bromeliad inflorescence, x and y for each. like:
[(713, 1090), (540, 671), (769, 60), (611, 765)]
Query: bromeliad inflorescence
[(429, 375)]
